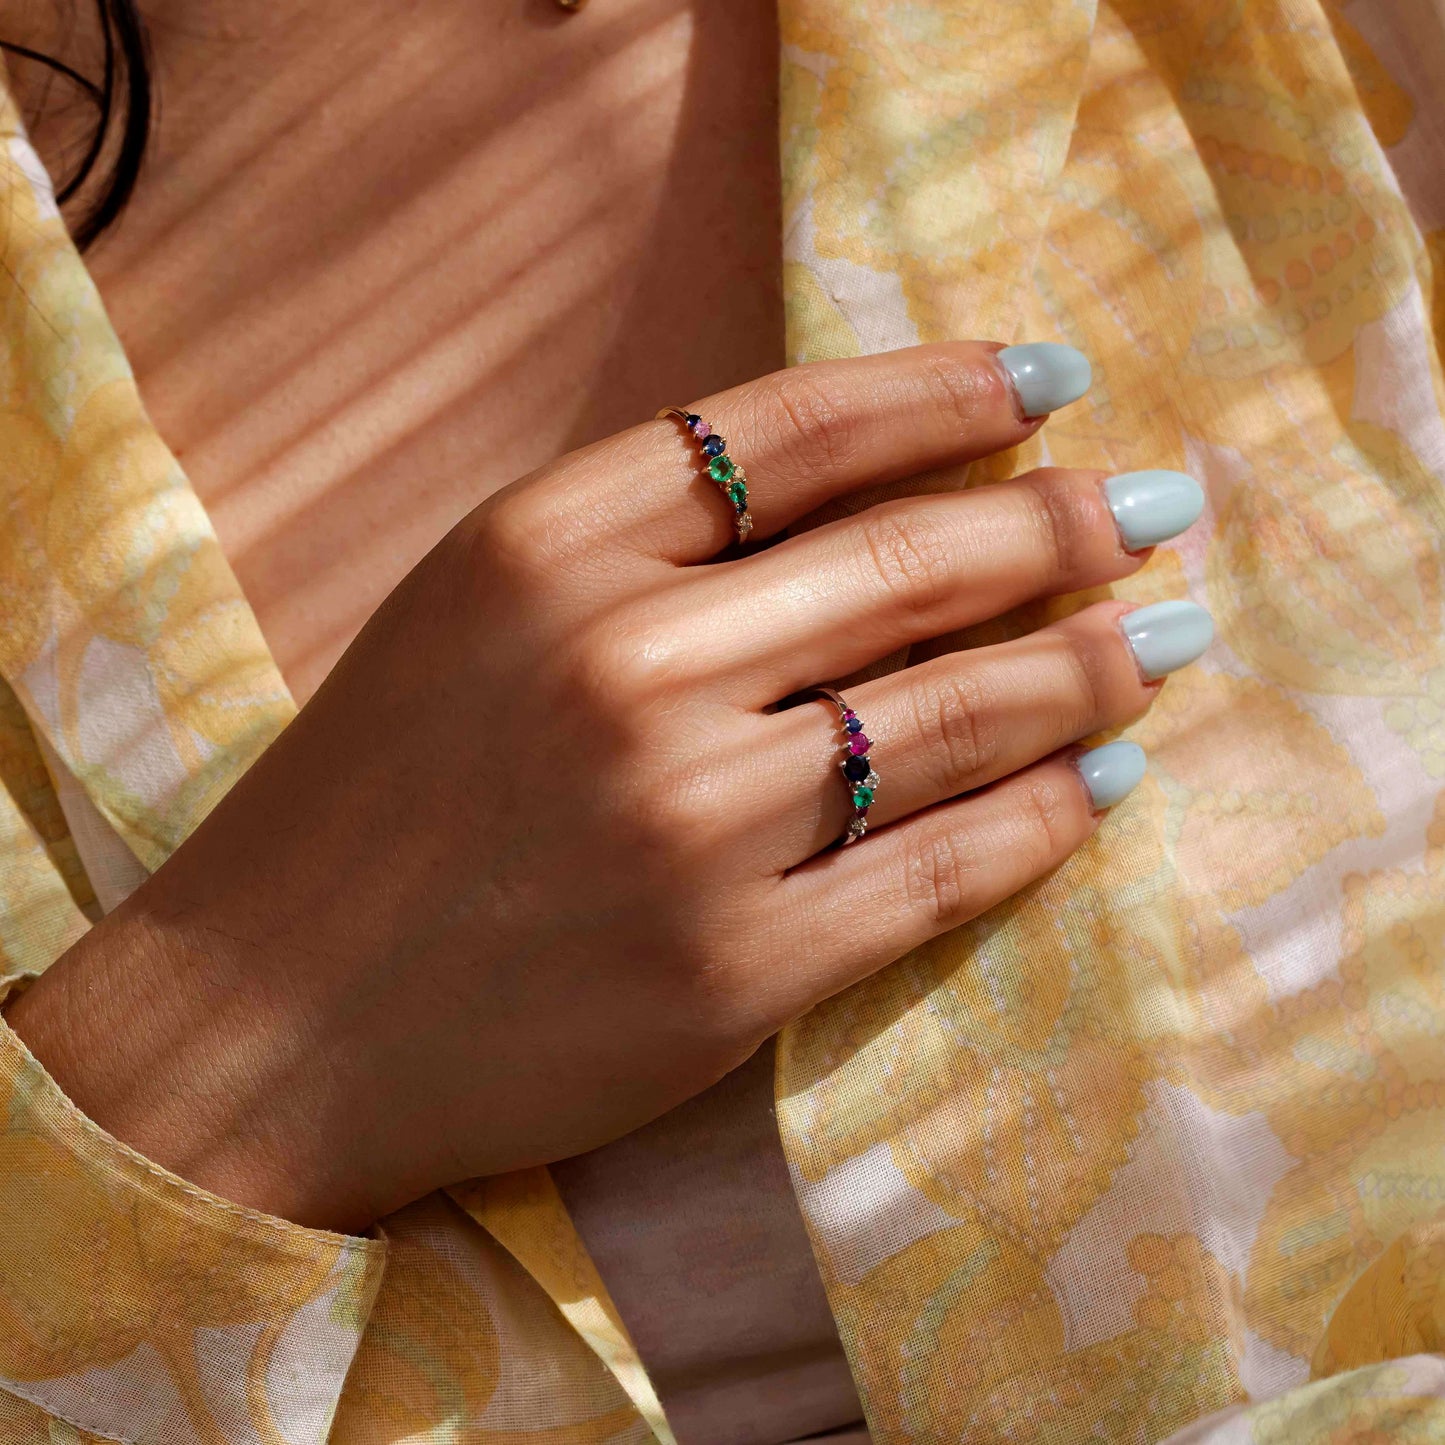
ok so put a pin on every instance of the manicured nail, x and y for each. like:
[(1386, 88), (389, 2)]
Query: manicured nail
[(1046, 375), (1167, 635), (1111, 772), (1153, 506)]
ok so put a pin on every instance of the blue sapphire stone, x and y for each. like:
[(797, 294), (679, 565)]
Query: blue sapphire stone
[(854, 725), (714, 446), (856, 769)]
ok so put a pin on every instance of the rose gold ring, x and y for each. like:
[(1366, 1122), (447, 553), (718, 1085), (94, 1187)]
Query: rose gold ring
[(732, 480), (856, 765)]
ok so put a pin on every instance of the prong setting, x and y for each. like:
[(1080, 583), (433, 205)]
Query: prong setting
[(856, 765), (731, 479)]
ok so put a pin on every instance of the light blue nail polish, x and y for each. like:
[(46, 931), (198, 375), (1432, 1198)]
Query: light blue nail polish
[(1112, 772), (1167, 635), (1046, 374), (1153, 506)]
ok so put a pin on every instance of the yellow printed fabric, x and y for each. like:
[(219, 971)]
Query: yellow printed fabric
[(1155, 1151), (128, 1296), (1164, 1137)]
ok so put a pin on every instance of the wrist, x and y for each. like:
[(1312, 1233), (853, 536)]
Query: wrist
[(180, 1055)]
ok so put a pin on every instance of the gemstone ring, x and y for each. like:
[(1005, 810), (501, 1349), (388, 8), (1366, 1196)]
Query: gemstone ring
[(732, 480), (856, 765)]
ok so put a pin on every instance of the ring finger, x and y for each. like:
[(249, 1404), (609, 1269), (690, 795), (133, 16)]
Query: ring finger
[(958, 722)]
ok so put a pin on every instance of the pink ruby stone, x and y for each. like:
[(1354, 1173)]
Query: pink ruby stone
[(702, 431), (858, 745)]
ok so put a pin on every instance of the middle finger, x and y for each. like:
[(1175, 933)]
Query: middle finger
[(826, 603)]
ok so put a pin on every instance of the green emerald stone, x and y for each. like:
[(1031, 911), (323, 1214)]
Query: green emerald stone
[(862, 797), (738, 492), (720, 469)]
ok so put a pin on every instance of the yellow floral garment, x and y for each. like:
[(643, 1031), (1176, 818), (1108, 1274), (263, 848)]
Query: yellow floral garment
[(1158, 1148)]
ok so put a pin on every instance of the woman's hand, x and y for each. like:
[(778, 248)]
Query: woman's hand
[(541, 860)]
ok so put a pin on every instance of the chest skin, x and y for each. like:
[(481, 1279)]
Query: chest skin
[(386, 259), (382, 261)]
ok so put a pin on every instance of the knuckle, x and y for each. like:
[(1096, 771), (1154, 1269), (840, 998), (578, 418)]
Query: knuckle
[(960, 389), (910, 558), (958, 727), (809, 420), (1086, 706), (506, 537), (530, 531), (1044, 825), (622, 663), (619, 679), (668, 815), (673, 814), (1052, 527), (941, 878)]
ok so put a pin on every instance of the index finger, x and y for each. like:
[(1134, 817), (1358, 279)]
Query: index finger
[(813, 432)]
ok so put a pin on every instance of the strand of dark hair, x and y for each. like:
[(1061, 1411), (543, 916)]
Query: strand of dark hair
[(124, 102)]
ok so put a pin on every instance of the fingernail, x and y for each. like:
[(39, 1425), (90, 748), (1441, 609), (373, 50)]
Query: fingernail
[(1167, 635), (1111, 772), (1046, 375), (1153, 506)]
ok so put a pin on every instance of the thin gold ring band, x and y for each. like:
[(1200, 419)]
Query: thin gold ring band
[(732, 480), (855, 764)]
